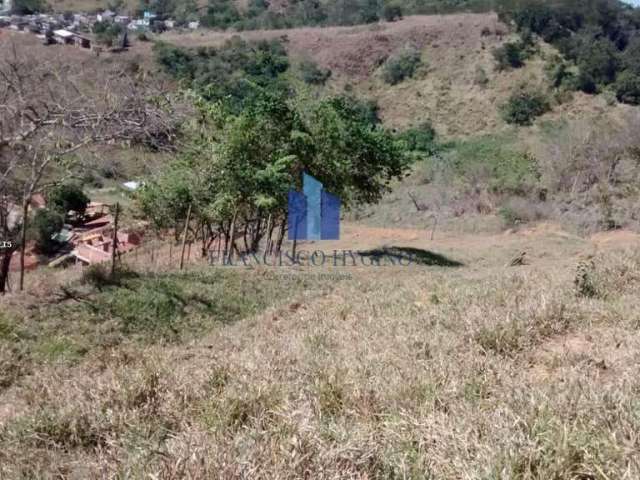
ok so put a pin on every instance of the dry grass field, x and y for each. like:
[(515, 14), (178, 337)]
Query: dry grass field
[(476, 371), (463, 365)]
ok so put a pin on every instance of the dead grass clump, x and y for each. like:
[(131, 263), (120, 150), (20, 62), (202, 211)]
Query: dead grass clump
[(607, 276), (528, 320), (249, 407)]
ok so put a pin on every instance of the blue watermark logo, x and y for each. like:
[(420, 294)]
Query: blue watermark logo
[(314, 213)]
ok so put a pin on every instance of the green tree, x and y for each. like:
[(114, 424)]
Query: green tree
[(107, 33), (46, 223), (599, 61), (220, 14), (66, 197), (312, 74), (631, 56), (509, 55), (28, 7), (392, 12), (524, 106), (627, 88), (241, 165)]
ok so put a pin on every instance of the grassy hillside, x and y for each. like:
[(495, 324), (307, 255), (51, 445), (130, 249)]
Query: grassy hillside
[(506, 349), (480, 370)]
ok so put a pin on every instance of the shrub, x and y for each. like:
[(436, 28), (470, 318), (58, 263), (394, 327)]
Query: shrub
[(558, 73), (519, 210), (392, 12), (220, 14), (420, 138), (107, 33), (96, 275), (401, 64), (627, 88), (586, 83), (599, 60), (480, 77), (66, 197), (509, 55), (584, 281), (46, 223), (631, 56), (494, 162), (312, 74), (524, 106)]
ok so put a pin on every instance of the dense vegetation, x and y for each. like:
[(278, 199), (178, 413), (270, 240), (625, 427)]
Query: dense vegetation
[(233, 73), (601, 37), (254, 137)]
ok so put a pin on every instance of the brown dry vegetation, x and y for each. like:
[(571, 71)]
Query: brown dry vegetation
[(479, 371), (445, 90)]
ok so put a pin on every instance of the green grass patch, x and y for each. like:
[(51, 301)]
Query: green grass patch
[(149, 308), (494, 161)]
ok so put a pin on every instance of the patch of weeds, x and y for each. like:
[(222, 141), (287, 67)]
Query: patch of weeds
[(218, 379), (174, 306), (492, 160), (519, 210), (233, 412), (557, 450), (504, 339), (330, 394), (58, 348), (319, 343), (48, 428)]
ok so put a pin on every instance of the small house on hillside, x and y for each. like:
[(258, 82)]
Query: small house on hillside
[(63, 36)]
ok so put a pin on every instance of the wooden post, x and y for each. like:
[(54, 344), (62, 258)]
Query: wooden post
[(184, 236), (114, 245)]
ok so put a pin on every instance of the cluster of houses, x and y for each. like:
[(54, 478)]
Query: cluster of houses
[(63, 29), (75, 28), (87, 241)]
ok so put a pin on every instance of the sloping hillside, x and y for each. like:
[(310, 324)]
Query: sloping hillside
[(447, 90)]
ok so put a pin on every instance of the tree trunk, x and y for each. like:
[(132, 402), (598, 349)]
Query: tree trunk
[(205, 232), (184, 237), (269, 231), (114, 243), (232, 235), (23, 239), (5, 263), (281, 235)]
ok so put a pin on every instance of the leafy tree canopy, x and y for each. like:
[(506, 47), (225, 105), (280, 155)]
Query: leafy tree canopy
[(244, 163), (66, 197)]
